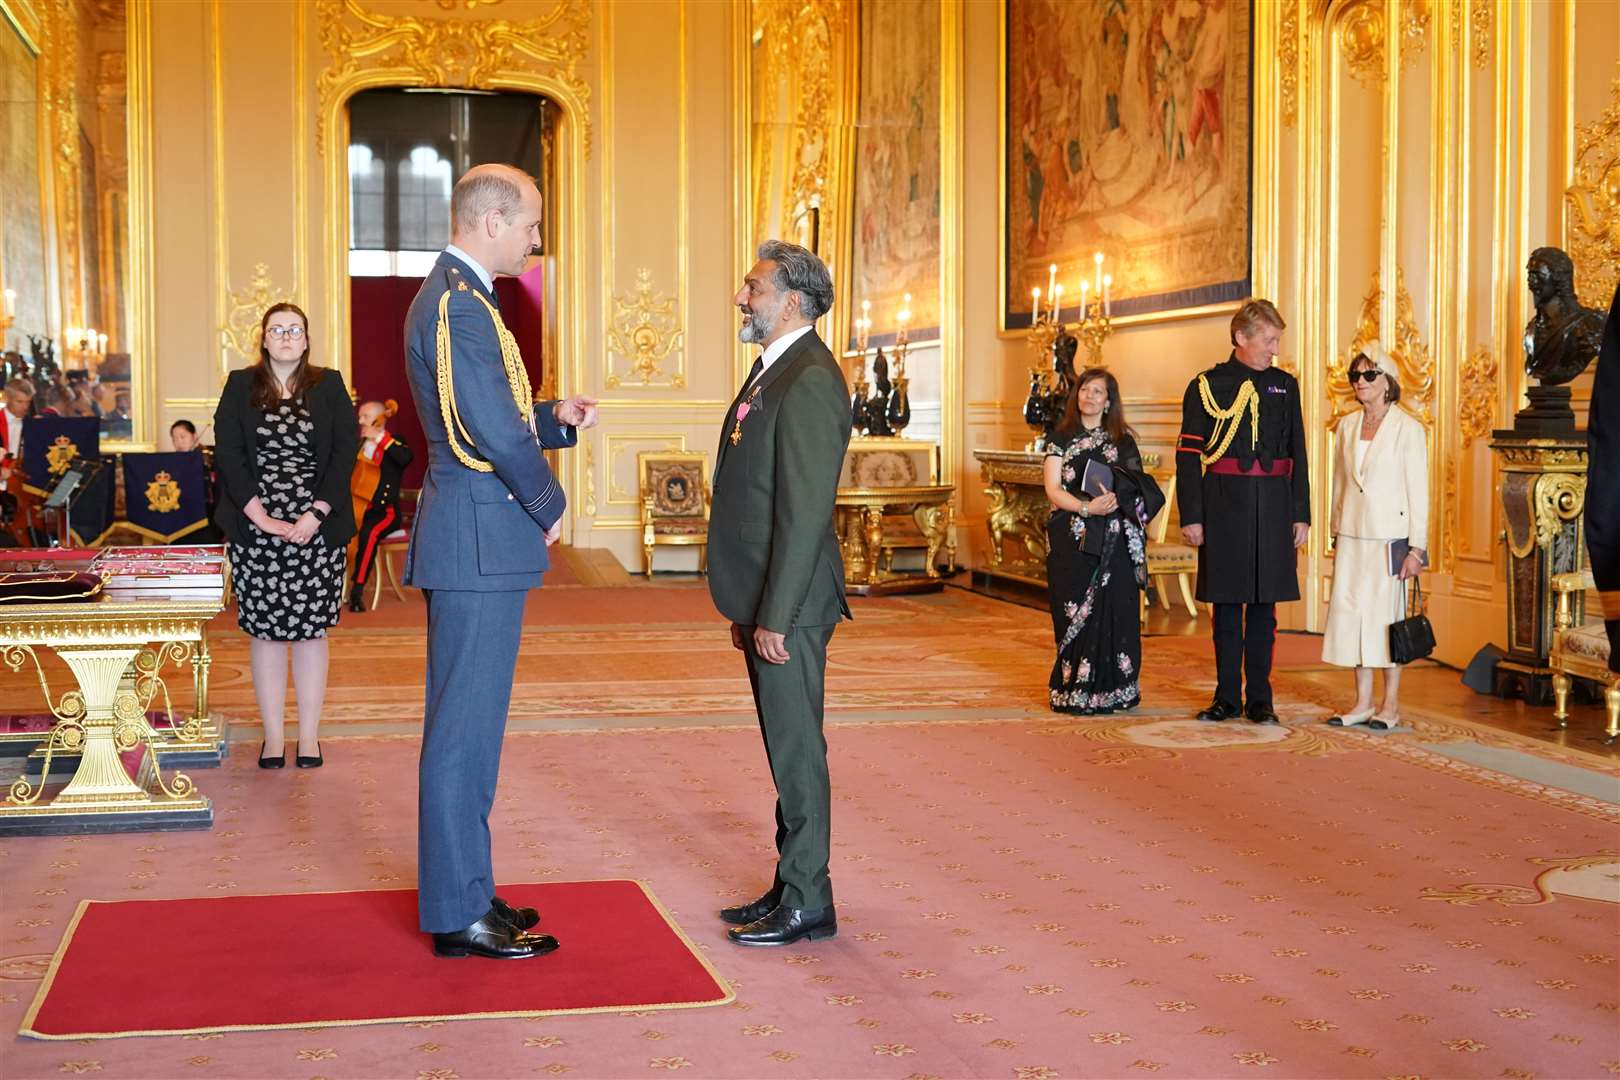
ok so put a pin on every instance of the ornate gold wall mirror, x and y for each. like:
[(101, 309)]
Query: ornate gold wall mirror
[(74, 135)]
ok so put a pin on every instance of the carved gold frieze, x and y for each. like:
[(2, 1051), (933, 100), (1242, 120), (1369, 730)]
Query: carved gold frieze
[(1476, 395), (470, 53), (1479, 30), (590, 476), (1288, 62), (1593, 197), (244, 310), (59, 61), (800, 42), (645, 331), (1362, 33), (1407, 349)]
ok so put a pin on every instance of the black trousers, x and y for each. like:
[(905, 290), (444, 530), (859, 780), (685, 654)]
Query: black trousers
[(1245, 635), (377, 523)]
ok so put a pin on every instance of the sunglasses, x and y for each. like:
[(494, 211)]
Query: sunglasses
[(1366, 375)]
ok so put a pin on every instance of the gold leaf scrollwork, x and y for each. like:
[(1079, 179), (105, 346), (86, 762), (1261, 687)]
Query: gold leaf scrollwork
[(1479, 30), (1361, 41), (1559, 498), (1449, 515), (1411, 355), (245, 310), (1476, 405), (800, 40), (471, 53), (590, 477), (1593, 236), (645, 331), (59, 64), (1288, 62), (1414, 30)]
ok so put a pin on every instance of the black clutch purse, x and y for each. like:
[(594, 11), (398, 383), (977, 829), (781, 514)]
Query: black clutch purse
[(1412, 638)]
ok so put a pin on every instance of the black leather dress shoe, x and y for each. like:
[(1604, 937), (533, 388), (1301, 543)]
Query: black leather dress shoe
[(1218, 710), (1261, 712), (356, 604), (272, 762), (786, 925), (519, 918), (743, 914), (493, 937), (311, 761)]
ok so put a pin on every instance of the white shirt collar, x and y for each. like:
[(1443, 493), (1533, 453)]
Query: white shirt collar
[(773, 351), (483, 275)]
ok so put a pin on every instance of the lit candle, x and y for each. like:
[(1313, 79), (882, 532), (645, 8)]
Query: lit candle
[(1051, 279), (903, 318), (1035, 298), (1085, 287), (1057, 304), (11, 302), (864, 323), (1108, 281), (1098, 259), (101, 344)]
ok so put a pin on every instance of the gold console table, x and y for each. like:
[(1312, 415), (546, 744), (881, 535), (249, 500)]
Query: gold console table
[(116, 649), (1017, 514), (868, 553)]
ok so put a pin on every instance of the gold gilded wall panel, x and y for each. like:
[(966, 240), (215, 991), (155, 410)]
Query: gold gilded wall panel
[(1593, 200)]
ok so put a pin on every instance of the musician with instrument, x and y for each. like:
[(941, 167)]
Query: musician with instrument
[(378, 469), (15, 502)]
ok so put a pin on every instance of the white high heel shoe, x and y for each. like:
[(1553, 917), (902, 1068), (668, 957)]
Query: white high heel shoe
[(1351, 719)]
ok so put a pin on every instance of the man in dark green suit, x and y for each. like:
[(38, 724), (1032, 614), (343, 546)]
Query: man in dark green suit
[(776, 572)]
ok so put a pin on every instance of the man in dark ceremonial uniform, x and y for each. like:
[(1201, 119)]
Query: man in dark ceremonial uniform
[(1245, 493), (1603, 480), (379, 447)]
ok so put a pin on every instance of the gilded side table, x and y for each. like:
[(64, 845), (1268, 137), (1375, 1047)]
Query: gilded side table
[(116, 650), (860, 514)]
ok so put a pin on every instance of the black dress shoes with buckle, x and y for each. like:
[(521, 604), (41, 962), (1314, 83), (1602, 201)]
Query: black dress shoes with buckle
[(272, 762), (786, 925), (1218, 710), (519, 918), (743, 914), (1261, 712), (493, 937)]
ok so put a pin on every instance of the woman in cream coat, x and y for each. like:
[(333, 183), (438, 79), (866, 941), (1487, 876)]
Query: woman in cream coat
[(1380, 494)]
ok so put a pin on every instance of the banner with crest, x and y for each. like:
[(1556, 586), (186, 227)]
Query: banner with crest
[(50, 443), (165, 495)]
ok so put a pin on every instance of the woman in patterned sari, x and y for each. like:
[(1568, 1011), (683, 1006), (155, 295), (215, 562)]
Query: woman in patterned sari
[(1096, 561)]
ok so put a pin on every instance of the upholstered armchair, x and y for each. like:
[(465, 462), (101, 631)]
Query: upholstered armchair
[(1580, 652), (674, 501)]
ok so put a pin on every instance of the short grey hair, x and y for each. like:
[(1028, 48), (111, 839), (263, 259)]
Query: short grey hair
[(483, 189), (800, 270)]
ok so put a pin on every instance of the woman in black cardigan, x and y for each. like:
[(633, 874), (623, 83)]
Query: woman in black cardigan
[(285, 439)]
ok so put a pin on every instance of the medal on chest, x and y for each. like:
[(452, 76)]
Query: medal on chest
[(742, 412)]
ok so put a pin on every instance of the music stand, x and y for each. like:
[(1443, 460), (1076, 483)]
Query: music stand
[(62, 497)]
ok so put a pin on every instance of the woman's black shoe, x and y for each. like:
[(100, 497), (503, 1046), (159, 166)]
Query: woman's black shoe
[(273, 762), (314, 762)]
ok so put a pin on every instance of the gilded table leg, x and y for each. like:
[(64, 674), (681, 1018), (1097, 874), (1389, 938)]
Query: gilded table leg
[(113, 723), (201, 661), (995, 518), (854, 544), (874, 542), (934, 523)]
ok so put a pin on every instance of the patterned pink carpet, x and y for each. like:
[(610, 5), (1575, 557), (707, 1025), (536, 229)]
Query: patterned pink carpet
[(1022, 898)]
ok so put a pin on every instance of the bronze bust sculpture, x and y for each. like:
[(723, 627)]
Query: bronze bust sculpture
[(1562, 337)]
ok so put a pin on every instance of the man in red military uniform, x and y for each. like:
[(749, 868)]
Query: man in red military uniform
[(1245, 493), (391, 456)]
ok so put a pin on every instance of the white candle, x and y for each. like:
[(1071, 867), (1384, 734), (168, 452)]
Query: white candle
[(1035, 299), (1108, 281), (101, 344), (11, 302), (1097, 258), (1057, 304), (1051, 279)]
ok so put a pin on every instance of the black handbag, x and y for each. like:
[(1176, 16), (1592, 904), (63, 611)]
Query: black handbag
[(1411, 638)]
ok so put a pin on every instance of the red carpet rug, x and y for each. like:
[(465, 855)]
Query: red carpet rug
[(345, 958)]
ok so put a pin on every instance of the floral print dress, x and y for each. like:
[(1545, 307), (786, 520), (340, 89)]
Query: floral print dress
[(1095, 569)]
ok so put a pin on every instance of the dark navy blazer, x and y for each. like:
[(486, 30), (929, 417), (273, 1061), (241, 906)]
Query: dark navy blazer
[(478, 531)]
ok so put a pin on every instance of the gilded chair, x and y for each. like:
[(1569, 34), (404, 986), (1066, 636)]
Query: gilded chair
[(1581, 652), (674, 501), (1169, 558)]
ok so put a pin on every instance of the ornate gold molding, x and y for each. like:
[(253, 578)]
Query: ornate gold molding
[(451, 5), (1593, 238), (1479, 20), (590, 476), (1476, 395), (1361, 38), (645, 331), (243, 311), (59, 61), (1414, 30), (1408, 350), (472, 53), (1288, 62)]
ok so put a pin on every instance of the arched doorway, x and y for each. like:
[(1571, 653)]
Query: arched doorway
[(406, 149)]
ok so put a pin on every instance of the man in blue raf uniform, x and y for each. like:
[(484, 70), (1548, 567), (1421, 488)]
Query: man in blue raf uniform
[(1245, 493), (490, 507)]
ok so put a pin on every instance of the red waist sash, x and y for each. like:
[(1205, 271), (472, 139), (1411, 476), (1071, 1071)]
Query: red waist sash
[(1232, 467)]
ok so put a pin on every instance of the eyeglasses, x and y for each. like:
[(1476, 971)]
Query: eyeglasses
[(1366, 375), (278, 332)]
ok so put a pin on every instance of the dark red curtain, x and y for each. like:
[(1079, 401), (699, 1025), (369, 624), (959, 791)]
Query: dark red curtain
[(377, 308)]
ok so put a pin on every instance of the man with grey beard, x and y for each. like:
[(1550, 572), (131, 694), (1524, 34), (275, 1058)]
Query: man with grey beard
[(775, 570)]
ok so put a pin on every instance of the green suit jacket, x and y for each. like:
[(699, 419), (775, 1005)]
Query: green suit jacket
[(774, 559)]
